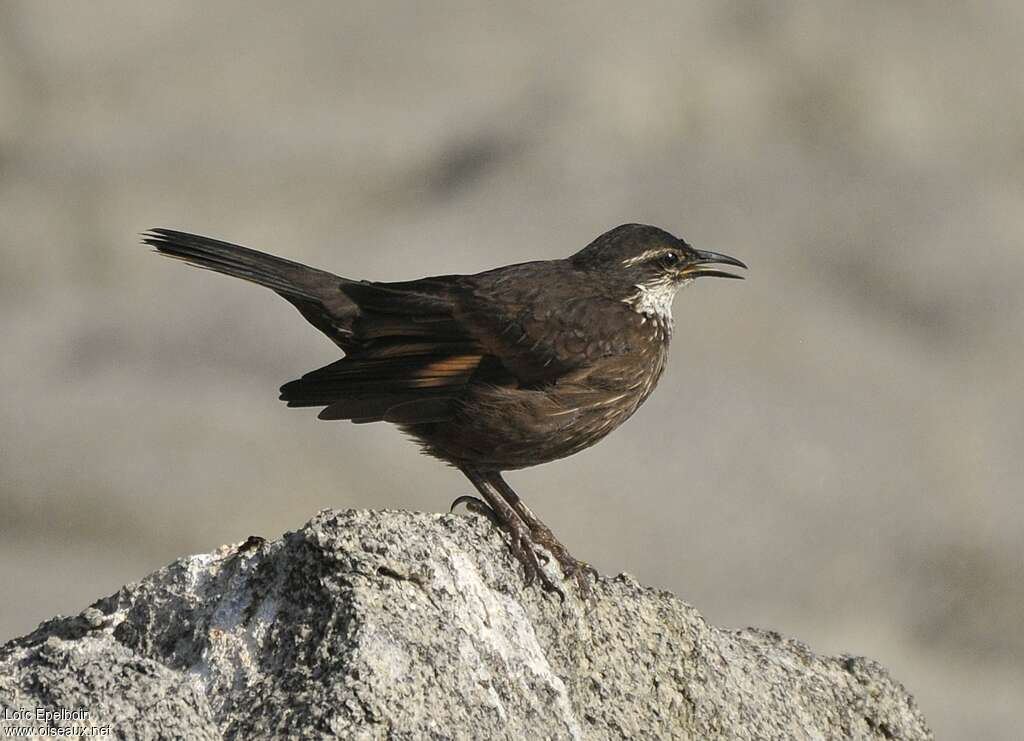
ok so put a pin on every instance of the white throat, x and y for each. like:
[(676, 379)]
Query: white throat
[(654, 301)]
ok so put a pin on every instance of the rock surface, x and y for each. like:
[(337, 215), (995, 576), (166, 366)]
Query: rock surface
[(407, 625)]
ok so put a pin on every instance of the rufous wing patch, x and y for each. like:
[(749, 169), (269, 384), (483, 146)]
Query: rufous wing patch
[(441, 372)]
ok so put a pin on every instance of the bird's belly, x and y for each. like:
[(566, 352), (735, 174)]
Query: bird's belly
[(509, 428)]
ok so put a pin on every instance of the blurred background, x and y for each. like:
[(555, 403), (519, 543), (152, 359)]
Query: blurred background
[(836, 449)]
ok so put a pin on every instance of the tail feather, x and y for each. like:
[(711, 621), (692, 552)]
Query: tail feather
[(317, 294), (284, 276)]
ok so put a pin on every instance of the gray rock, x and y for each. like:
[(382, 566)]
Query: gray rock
[(413, 626)]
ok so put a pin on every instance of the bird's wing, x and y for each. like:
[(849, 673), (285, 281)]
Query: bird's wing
[(408, 357), (540, 321), (416, 346)]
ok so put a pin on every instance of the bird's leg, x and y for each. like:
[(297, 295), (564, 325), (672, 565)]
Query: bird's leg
[(523, 546), (542, 535), (479, 507)]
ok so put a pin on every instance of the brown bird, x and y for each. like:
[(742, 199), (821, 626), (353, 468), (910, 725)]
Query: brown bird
[(491, 372)]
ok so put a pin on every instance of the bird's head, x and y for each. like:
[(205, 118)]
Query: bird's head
[(648, 266)]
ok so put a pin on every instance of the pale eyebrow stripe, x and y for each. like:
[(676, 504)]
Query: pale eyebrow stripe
[(645, 256)]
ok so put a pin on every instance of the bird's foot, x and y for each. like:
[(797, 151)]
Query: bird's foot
[(525, 549), (532, 540), (572, 568)]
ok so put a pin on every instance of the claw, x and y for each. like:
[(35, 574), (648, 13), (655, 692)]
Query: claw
[(477, 507), (579, 571), (525, 549), (522, 550), (467, 500)]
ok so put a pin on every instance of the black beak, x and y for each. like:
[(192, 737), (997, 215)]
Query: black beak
[(695, 268)]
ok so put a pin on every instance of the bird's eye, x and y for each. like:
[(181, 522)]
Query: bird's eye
[(669, 259)]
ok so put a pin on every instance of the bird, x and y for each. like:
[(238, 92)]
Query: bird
[(488, 372)]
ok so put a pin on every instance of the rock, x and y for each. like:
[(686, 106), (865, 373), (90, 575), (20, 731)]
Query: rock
[(414, 626)]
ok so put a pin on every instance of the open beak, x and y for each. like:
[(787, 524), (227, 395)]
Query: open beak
[(695, 268)]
